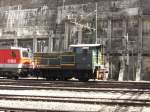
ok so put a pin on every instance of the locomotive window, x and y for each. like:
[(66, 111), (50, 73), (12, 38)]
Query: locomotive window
[(85, 51), (25, 54), (78, 50), (67, 59)]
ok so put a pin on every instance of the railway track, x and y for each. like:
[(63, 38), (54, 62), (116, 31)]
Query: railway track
[(72, 100), (112, 90), (102, 86), (76, 93), (91, 84), (81, 100)]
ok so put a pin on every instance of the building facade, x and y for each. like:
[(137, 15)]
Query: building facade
[(122, 26)]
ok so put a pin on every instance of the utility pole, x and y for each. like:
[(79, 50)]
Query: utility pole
[(66, 36), (128, 56), (96, 24), (35, 49), (125, 41), (109, 47), (50, 43), (34, 44), (140, 47)]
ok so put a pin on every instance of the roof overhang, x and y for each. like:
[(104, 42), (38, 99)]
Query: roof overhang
[(85, 45)]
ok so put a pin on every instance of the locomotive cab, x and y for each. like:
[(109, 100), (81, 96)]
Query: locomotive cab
[(88, 60), (14, 62)]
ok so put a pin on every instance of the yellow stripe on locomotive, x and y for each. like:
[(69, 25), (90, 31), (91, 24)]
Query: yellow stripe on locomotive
[(54, 60)]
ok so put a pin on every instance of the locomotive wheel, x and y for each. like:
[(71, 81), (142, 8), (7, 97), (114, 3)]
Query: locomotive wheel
[(53, 78), (50, 78), (60, 78), (83, 76), (66, 78), (63, 78), (16, 77), (9, 77), (83, 79), (47, 79)]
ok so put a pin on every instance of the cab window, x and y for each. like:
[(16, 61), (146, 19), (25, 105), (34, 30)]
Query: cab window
[(85, 51), (25, 54), (78, 50)]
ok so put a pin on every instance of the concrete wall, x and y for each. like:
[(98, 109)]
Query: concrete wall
[(51, 25), (39, 18)]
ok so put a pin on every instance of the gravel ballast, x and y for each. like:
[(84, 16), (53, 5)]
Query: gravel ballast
[(73, 106)]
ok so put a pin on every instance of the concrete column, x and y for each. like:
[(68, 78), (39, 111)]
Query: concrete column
[(79, 35), (34, 45), (66, 37), (140, 47), (123, 64), (50, 43), (15, 42), (121, 72), (109, 48)]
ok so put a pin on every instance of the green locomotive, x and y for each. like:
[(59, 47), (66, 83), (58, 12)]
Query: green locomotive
[(81, 63)]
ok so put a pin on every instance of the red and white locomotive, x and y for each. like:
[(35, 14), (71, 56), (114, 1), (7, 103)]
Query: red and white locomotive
[(14, 62)]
